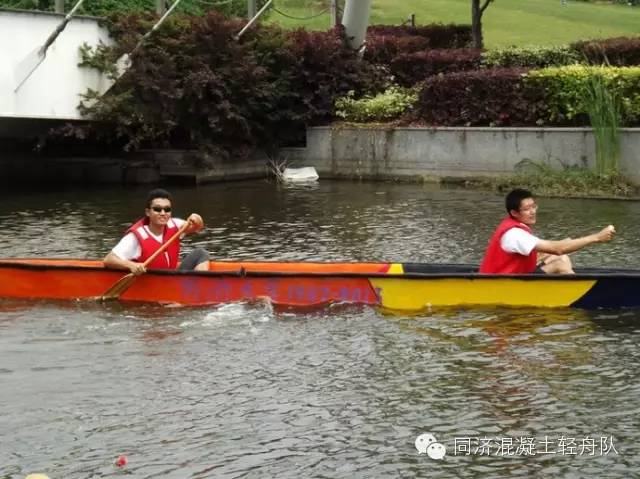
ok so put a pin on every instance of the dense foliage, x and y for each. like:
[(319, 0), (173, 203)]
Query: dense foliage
[(622, 51), (437, 35), (557, 96), (495, 97), (385, 42), (473, 87), (567, 91), (412, 68), (385, 106), (532, 57), (382, 49), (195, 85)]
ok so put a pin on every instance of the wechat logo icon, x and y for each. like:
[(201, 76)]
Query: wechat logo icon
[(428, 444)]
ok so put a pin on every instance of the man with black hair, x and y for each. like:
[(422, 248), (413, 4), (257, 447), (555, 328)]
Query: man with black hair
[(149, 233), (513, 249)]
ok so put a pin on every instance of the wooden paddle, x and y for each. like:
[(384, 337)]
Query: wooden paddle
[(126, 281)]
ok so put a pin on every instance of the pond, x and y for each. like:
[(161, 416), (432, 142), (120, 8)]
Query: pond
[(243, 390)]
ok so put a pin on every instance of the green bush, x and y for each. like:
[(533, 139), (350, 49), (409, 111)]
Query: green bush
[(195, 86), (619, 51), (485, 97), (532, 57), (566, 91), (389, 105), (557, 96)]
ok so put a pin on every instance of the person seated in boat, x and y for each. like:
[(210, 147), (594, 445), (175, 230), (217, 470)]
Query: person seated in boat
[(145, 236), (514, 249)]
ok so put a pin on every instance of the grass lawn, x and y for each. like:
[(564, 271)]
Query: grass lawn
[(505, 22)]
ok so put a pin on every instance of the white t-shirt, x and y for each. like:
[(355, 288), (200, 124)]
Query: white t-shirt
[(128, 247), (517, 240)]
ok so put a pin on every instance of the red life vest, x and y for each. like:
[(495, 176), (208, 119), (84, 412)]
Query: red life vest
[(149, 245), (498, 261)]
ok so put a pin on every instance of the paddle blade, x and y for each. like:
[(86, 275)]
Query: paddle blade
[(118, 287), (27, 66)]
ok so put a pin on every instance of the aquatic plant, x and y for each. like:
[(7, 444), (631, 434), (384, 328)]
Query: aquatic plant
[(603, 106), (565, 182)]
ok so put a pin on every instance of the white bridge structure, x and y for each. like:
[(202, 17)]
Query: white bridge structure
[(51, 91), (40, 81)]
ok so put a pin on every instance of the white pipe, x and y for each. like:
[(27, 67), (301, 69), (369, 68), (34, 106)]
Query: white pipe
[(162, 19), (124, 62), (253, 20), (52, 38), (154, 28)]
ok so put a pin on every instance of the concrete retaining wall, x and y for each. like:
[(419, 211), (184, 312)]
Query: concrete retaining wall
[(141, 167), (413, 154), (431, 153)]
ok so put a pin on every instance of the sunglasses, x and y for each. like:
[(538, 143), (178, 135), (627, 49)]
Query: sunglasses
[(158, 209)]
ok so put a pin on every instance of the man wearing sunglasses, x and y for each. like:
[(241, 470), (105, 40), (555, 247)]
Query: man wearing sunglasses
[(145, 236), (513, 249)]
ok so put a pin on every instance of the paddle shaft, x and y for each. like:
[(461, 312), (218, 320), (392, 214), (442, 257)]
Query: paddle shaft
[(123, 283), (163, 248)]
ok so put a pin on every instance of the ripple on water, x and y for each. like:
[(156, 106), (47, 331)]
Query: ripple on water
[(246, 390)]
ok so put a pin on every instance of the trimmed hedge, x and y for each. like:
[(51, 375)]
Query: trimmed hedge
[(516, 97), (438, 35), (495, 97), (566, 91), (531, 57), (621, 51), (384, 42), (322, 68), (411, 68), (382, 49)]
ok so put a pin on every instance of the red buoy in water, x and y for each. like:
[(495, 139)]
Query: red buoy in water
[(121, 461)]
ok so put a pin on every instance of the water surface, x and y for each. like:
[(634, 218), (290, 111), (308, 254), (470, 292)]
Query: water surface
[(241, 390)]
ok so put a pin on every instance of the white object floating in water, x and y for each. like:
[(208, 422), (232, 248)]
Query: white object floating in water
[(308, 173)]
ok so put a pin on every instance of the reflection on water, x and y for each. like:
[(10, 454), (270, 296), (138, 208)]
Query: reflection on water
[(329, 221), (243, 390)]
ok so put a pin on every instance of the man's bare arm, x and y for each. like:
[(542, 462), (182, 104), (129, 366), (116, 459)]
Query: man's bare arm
[(114, 261), (570, 245)]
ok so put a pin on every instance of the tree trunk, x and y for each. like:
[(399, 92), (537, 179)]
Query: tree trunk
[(476, 24), (335, 13)]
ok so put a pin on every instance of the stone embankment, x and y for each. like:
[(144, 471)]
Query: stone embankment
[(345, 152)]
